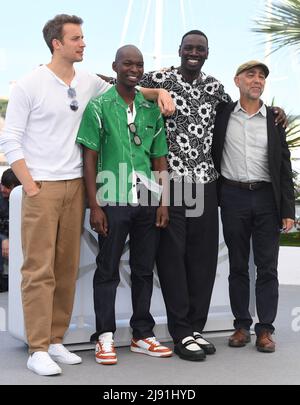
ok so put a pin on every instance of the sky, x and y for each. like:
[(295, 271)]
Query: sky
[(226, 23)]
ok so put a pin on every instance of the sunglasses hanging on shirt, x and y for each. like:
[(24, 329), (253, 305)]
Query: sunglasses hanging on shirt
[(74, 103), (136, 139)]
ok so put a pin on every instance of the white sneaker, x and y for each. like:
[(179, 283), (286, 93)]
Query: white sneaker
[(42, 364), (62, 355)]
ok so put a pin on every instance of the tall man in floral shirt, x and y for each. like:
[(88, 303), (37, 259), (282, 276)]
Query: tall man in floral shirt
[(187, 257)]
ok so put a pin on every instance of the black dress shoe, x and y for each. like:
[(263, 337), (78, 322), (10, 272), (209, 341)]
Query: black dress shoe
[(182, 350), (205, 345)]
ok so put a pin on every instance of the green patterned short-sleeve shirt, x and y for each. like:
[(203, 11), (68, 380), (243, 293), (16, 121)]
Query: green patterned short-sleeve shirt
[(104, 128)]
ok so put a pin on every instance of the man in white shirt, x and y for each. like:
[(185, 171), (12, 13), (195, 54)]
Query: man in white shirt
[(256, 198), (42, 122)]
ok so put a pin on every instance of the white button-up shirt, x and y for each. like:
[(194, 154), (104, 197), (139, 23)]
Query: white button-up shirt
[(245, 154)]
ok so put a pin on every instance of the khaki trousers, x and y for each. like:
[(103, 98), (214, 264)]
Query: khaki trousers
[(51, 230)]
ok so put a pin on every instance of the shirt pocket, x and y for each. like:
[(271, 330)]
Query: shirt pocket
[(147, 136), (149, 131)]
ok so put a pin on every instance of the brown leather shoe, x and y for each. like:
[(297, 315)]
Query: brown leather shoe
[(240, 338), (265, 343)]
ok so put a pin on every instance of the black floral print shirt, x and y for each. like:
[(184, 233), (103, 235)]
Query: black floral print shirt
[(190, 129)]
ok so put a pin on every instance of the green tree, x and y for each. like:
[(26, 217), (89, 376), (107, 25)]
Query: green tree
[(293, 140), (3, 106), (293, 131), (282, 22), (297, 188)]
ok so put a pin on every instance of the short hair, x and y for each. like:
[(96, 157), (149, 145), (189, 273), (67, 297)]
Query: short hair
[(194, 32), (9, 179), (123, 49), (54, 28)]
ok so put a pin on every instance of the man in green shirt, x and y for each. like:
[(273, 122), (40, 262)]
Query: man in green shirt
[(123, 139)]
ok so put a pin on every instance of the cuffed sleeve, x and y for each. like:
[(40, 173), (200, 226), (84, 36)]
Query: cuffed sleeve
[(90, 131), (11, 138)]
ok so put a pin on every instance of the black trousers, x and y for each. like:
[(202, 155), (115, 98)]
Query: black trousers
[(247, 214), (186, 262), (139, 223)]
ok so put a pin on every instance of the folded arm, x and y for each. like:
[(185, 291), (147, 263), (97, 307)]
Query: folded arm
[(161, 96)]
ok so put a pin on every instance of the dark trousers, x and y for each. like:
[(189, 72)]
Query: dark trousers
[(3, 277), (247, 214), (186, 262), (2, 259), (139, 224)]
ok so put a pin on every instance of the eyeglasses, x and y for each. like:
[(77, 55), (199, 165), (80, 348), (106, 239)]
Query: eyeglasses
[(136, 139), (74, 103)]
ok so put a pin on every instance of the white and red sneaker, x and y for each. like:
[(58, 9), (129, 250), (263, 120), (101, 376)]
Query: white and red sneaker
[(105, 352), (151, 347)]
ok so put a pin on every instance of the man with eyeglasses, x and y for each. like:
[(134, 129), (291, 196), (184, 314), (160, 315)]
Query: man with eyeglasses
[(124, 138), (42, 122)]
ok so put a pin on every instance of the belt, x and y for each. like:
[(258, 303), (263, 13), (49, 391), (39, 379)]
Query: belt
[(247, 186)]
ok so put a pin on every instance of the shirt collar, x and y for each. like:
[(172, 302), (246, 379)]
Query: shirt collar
[(138, 101), (262, 110), (201, 78)]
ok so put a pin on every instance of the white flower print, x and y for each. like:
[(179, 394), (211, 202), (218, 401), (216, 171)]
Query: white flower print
[(212, 88), (204, 110), (175, 162), (209, 140), (198, 170), (196, 94), (180, 102), (204, 178), (186, 111), (192, 128), (197, 130), (194, 154), (159, 77), (201, 175), (206, 148), (183, 171), (187, 87), (205, 121), (179, 78), (207, 144), (184, 143), (171, 125), (173, 95), (204, 166)]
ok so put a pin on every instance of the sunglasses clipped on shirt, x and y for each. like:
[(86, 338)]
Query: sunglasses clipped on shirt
[(136, 139), (74, 103)]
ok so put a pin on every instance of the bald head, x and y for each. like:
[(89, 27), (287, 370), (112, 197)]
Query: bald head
[(126, 51), (129, 66)]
